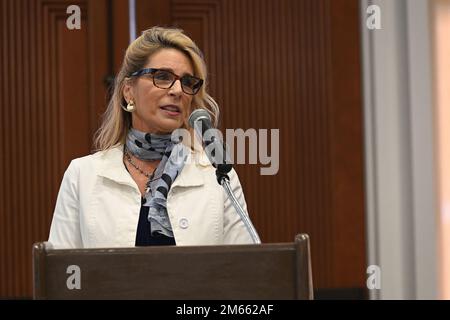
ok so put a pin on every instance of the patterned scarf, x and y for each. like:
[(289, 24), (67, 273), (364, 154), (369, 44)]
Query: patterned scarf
[(172, 153)]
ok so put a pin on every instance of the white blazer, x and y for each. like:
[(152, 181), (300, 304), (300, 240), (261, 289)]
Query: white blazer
[(98, 205)]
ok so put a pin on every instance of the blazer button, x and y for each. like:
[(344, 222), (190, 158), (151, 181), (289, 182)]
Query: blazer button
[(183, 223)]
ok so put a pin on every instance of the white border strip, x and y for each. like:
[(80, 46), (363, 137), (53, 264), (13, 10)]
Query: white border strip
[(132, 18), (423, 149), (369, 152)]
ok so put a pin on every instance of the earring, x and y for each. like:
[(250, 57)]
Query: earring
[(130, 107)]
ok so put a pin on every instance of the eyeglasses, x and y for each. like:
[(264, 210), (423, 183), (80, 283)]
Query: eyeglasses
[(164, 79)]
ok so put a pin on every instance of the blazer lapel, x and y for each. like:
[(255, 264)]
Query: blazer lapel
[(111, 167), (191, 175)]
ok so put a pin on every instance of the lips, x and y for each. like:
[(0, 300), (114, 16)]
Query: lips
[(171, 109)]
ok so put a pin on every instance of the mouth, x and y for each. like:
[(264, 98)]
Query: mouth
[(171, 109)]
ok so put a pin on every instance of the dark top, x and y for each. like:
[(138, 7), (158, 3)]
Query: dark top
[(143, 236)]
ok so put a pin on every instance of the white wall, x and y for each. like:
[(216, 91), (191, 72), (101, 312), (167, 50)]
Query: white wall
[(398, 119)]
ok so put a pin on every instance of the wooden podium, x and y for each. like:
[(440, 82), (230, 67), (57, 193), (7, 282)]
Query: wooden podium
[(265, 271)]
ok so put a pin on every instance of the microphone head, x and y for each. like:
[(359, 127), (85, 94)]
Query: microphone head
[(199, 114)]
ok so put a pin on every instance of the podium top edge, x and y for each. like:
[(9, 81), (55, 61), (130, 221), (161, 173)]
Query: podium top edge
[(179, 249)]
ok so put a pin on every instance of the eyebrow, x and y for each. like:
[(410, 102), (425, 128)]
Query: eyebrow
[(171, 70)]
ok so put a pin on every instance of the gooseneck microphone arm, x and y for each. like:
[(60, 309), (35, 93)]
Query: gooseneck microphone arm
[(244, 217), (201, 122)]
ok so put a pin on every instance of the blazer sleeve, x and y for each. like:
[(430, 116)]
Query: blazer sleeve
[(235, 231), (65, 232)]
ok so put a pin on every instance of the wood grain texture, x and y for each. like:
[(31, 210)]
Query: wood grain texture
[(268, 272), (52, 92), (291, 65)]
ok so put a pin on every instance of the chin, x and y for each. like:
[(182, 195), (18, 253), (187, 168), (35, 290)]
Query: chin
[(170, 128)]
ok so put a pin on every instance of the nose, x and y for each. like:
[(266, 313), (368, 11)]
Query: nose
[(176, 89)]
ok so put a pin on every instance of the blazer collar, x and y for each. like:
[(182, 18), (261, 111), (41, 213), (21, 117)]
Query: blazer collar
[(111, 167)]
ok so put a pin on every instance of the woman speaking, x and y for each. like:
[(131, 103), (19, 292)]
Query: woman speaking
[(135, 190)]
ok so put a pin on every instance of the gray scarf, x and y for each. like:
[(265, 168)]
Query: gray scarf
[(172, 153)]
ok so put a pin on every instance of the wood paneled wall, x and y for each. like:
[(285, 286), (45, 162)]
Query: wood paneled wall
[(52, 92), (291, 65)]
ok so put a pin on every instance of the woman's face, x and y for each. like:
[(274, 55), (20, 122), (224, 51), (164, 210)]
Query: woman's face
[(156, 109)]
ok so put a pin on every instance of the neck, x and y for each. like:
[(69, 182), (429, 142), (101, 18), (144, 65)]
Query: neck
[(146, 146)]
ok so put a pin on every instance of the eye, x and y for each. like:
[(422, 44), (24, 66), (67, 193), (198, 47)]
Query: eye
[(197, 85), (189, 81), (162, 75)]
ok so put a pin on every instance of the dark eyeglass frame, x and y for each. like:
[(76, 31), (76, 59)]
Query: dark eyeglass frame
[(152, 71)]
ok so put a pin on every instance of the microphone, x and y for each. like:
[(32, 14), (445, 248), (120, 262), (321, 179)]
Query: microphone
[(205, 119), (200, 120)]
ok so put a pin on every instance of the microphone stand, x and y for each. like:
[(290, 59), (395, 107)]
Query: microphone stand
[(201, 122), (224, 180)]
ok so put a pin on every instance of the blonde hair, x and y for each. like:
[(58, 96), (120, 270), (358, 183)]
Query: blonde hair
[(116, 121)]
